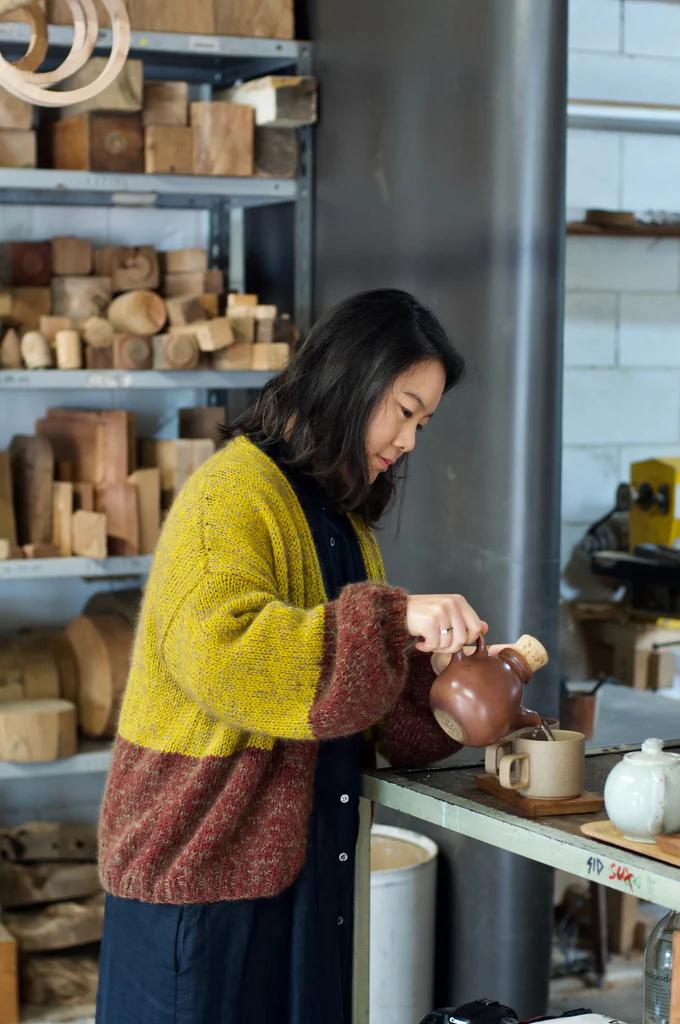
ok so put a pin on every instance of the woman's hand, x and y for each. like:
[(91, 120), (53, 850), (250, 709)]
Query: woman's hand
[(446, 622), (440, 661)]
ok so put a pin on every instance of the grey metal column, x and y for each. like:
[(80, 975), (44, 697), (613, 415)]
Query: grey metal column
[(440, 169)]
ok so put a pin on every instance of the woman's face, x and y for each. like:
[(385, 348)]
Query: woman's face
[(407, 407)]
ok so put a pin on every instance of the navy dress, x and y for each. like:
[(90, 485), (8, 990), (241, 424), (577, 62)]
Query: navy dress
[(288, 958)]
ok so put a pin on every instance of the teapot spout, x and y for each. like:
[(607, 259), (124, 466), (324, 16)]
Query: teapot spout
[(525, 718)]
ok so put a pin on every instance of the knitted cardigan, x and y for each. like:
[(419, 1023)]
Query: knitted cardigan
[(240, 665)]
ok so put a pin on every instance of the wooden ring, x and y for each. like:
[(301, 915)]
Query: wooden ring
[(85, 29), (37, 46), (16, 83)]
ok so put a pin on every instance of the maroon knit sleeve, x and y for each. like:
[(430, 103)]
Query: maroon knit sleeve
[(410, 732), (364, 667)]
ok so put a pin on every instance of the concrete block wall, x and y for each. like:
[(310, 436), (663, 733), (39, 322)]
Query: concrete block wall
[(622, 309)]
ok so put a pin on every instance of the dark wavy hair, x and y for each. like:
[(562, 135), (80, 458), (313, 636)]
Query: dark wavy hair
[(320, 406)]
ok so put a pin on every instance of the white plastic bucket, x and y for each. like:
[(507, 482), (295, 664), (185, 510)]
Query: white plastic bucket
[(403, 881)]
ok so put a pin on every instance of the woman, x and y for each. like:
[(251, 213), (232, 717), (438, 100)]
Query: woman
[(268, 645)]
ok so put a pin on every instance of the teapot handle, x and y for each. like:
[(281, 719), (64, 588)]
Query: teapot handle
[(658, 802), (480, 651)]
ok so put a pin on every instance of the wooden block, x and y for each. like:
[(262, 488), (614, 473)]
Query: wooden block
[(147, 483), (623, 912), (15, 113), (201, 450), (264, 312), (236, 357), (48, 840), (130, 352), (129, 267), (49, 325), (69, 350), (98, 332), (272, 19), (264, 331), (9, 551), (270, 357), (9, 978), (80, 297), (32, 467), (59, 979), (165, 103), (11, 687), (175, 460), (119, 503), (83, 496), (18, 148), (213, 281), (169, 149), (285, 331), (116, 446), (202, 421), (238, 299), (660, 670), (62, 510), (138, 312), (72, 435), (28, 305), (184, 309), (223, 140), (10, 350), (71, 256), (278, 101), (88, 534), (184, 261), (40, 551), (172, 16), (99, 358), (530, 807), (7, 522), (276, 152), (184, 284), (102, 644), (22, 885), (210, 334), (30, 263), (98, 142), (58, 925), (175, 352), (64, 472), (211, 303), (36, 730), (35, 352), (243, 328), (125, 93)]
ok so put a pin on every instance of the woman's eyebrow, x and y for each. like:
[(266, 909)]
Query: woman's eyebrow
[(418, 399)]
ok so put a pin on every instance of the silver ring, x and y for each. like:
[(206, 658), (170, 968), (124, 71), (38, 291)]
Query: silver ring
[(443, 632)]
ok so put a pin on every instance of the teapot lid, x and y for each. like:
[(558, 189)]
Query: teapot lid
[(652, 753)]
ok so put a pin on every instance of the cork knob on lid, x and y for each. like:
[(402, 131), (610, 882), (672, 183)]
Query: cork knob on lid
[(532, 650)]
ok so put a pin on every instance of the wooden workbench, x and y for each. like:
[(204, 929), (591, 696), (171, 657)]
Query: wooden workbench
[(450, 799)]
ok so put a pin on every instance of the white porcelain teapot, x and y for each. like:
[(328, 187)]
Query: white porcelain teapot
[(642, 793)]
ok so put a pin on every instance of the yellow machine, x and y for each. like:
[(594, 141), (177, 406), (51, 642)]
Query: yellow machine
[(653, 498)]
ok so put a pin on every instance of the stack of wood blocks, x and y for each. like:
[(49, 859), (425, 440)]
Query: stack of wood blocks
[(66, 305), (84, 485), (153, 127), (57, 683), (53, 910)]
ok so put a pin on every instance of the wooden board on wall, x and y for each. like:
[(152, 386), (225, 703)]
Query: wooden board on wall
[(174, 15), (269, 18)]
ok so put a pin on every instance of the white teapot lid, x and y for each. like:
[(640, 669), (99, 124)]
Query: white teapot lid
[(652, 753)]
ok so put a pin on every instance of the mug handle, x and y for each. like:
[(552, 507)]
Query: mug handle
[(494, 753), (505, 771)]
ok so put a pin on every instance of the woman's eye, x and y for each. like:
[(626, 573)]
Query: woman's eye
[(407, 413)]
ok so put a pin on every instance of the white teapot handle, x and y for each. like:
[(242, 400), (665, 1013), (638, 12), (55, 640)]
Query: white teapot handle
[(658, 802)]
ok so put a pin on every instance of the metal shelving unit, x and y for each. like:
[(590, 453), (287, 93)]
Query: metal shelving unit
[(70, 568), (207, 62), (131, 380)]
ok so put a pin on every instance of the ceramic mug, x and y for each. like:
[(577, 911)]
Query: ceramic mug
[(494, 753), (545, 769)]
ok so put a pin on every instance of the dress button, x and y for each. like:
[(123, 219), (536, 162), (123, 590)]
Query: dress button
[(344, 799), (342, 857), (341, 920), (332, 542)]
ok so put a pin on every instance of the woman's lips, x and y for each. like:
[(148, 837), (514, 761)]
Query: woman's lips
[(385, 463)]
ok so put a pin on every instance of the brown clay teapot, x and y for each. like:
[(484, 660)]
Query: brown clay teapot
[(477, 699)]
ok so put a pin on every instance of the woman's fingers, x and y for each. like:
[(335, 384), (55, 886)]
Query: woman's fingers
[(445, 622)]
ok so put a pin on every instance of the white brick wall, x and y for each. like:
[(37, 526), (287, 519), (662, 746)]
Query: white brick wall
[(622, 310)]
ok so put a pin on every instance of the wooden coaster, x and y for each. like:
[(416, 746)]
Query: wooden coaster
[(607, 832), (530, 807)]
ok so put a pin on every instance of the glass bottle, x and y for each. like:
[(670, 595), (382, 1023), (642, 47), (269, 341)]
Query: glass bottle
[(658, 966)]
